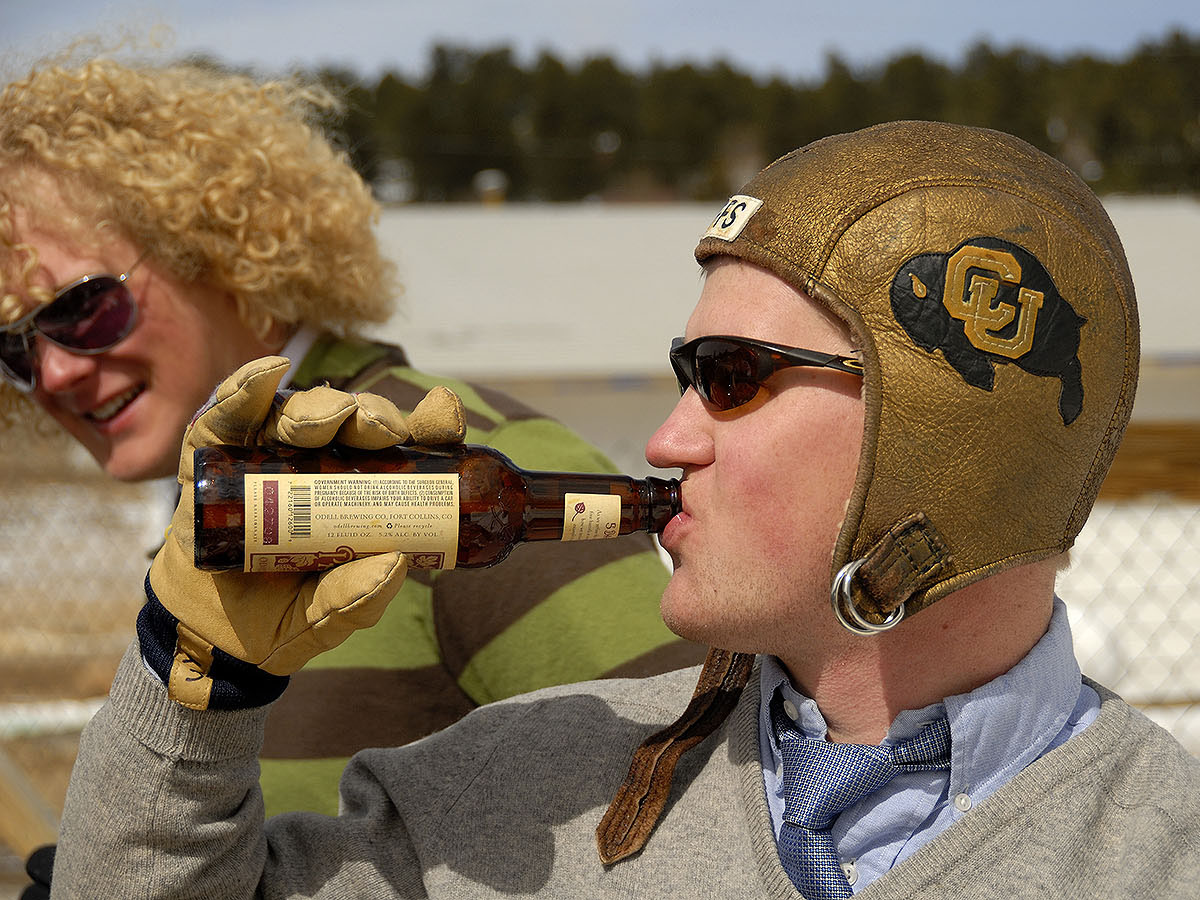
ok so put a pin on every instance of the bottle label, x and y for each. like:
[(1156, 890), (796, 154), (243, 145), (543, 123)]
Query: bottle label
[(303, 523), (590, 517)]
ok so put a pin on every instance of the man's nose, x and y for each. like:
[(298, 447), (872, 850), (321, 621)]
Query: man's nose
[(683, 439)]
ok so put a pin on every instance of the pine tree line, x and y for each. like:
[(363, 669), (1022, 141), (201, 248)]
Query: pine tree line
[(552, 131)]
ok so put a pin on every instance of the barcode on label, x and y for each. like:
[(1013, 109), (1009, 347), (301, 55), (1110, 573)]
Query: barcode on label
[(300, 510)]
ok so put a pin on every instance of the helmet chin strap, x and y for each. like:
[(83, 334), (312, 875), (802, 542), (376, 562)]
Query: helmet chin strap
[(640, 800)]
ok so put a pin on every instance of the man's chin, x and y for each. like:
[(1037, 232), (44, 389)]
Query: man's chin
[(683, 612)]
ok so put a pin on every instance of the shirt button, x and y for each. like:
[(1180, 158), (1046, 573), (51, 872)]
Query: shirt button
[(850, 871), (789, 709), (962, 802)]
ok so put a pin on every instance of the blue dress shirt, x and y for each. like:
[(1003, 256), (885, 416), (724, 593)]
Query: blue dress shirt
[(996, 730)]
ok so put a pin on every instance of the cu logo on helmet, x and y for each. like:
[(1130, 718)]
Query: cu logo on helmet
[(991, 301)]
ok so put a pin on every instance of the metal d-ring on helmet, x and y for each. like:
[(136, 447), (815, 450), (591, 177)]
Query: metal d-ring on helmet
[(842, 600)]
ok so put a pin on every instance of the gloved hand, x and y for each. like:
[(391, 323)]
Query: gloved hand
[(274, 623)]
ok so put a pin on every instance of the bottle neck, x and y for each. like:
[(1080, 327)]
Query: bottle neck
[(559, 503), (663, 501)]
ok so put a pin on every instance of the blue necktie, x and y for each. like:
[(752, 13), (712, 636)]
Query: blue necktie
[(821, 779)]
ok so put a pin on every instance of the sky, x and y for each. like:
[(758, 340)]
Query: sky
[(788, 38)]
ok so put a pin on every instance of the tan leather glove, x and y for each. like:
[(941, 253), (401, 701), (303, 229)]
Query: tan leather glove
[(278, 622)]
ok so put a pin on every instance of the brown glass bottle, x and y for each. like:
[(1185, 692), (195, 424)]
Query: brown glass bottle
[(499, 505)]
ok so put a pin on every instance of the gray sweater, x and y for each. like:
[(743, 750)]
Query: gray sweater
[(164, 802)]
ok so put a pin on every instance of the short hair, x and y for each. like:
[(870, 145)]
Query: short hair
[(221, 178)]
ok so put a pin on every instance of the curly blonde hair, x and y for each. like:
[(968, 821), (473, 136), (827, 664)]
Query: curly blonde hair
[(220, 178)]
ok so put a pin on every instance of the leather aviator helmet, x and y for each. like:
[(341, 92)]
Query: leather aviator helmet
[(999, 335)]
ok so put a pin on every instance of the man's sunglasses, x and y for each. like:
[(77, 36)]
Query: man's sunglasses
[(728, 371), (86, 317)]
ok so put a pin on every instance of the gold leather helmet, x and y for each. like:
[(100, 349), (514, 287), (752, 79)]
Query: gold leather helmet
[(999, 335)]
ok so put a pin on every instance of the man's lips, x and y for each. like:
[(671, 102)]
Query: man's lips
[(680, 520), (670, 533)]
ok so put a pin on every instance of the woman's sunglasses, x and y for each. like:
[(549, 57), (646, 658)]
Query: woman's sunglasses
[(88, 316), (728, 371)]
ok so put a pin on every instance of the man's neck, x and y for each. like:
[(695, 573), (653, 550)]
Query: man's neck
[(959, 643)]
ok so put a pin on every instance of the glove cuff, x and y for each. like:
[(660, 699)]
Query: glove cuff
[(236, 684)]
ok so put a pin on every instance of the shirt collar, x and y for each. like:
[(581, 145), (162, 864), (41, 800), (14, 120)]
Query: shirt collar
[(1002, 726), (995, 730)]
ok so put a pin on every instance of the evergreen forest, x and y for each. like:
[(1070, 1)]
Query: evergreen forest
[(478, 122)]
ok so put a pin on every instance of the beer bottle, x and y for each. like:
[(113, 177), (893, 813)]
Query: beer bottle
[(289, 510)]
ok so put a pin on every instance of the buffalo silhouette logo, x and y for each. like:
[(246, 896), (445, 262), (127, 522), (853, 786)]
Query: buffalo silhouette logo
[(991, 301)]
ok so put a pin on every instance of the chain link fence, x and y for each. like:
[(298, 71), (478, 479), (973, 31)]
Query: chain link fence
[(1133, 592), (77, 546)]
